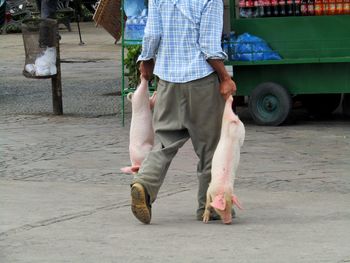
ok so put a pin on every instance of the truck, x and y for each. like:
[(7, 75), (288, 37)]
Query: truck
[(314, 69)]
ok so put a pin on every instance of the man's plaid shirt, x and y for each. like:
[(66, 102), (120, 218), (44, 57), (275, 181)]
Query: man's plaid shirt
[(181, 35)]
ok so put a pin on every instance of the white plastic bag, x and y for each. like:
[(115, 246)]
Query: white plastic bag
[(45, 65)]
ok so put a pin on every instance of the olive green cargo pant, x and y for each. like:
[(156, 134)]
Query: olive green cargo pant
[(182, 111)]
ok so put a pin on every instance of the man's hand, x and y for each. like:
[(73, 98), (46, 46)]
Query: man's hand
[(227, 85), (227, 88), (146, 69)]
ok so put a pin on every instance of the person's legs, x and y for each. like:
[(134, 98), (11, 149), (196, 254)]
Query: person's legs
[(206, 107), (38, 5), (172, 135), (48, 8)]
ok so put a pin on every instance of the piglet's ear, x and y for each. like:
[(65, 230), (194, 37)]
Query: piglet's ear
[(219, 202), (236, 202), (129, 96)]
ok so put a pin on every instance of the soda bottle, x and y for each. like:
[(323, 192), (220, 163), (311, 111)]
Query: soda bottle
[(311, 7), (249, 8), (267, 8), (242, 10), (339, 7), (274, 7), (255, 9), (297, 7), (325, 7), (289, 8), (346, 7), (331, 7), (303, 7), (282, 7), (318, 8), (260, 8)]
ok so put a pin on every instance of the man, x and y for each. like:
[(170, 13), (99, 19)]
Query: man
[(47, 8), (182, 45)]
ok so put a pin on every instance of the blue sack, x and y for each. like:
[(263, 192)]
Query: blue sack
[(252, 48)]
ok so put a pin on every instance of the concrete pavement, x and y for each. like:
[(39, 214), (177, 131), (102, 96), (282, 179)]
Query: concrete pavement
[(63, 199)]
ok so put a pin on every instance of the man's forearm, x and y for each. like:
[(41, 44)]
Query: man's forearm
[(219, 67), (227, 85)]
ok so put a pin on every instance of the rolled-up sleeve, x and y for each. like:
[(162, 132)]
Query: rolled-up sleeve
[(211, 30), (153, 32)]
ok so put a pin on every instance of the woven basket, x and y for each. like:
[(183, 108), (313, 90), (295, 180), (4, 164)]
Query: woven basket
[(108, 16)]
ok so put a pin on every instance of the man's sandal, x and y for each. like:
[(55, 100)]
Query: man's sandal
[(140, 203)]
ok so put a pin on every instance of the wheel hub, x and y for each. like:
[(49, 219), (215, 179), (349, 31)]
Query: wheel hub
[(269, 103)]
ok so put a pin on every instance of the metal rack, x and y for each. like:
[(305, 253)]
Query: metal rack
[(126, 88)]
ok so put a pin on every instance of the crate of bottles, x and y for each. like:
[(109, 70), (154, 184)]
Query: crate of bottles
[(312, 30), (136, 14), (280, 8)]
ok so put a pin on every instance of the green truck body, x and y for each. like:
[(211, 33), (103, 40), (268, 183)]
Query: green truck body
[(315, 53)]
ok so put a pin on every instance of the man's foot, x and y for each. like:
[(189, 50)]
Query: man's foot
[(140, 204)]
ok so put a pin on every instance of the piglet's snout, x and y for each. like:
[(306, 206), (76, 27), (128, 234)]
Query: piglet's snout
[(227, 219)]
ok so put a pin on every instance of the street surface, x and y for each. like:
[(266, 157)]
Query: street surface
[(63, 199)]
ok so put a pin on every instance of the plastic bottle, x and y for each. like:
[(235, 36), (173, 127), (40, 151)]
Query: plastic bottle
[(303, 7), (346, 7), (267, 8), (331, 7), (255, 9), (311, 7), (128, 29), (325, 7), (274, 8), (282, 7), (296, 7), (134, 7), (289, 8), (260, 8), (339, 7), (318, 8), (242, 9), (249, 8)]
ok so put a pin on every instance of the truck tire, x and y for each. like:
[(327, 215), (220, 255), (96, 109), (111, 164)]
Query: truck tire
[(321, 105), (346, 104), (270, 104)]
